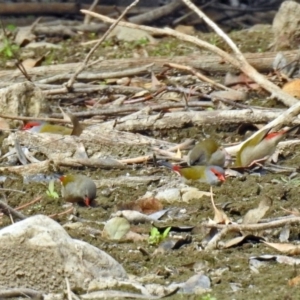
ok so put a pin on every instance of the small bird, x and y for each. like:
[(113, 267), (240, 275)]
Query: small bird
[(213, 175), (78, 189), (44, 127), (260, 148), (207, 152)]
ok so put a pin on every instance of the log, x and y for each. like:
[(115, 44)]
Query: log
[(58, 9), (109, 144), (207, 63)]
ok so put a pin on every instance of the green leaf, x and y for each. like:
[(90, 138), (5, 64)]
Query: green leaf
[(166, 232), (116, 228), (51, 190), (156, 237)]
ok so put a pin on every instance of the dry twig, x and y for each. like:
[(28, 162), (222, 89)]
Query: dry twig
[(239, 62), (248, 227), (87, 58), (9, 210), (21, 292)]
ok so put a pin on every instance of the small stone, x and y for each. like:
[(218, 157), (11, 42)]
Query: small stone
[(169, 195)]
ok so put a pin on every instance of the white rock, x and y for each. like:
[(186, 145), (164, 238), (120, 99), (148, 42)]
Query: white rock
[(38, 253), (190, 193), (169, 195), (131, 34)]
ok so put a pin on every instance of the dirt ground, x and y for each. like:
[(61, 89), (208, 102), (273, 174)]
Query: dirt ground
[(228, 269)]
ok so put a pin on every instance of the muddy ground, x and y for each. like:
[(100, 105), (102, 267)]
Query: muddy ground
[(228, 269)]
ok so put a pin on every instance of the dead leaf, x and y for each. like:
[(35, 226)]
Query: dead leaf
[(292, 88), (220, 216), (31, 63), (134, 236), (190, 193), (234, 242), (155, 83), (116, 228), (140, 94), (24, 36), (185, 29), (146, 206), (237, 241), (286, 248), (256, 214), (294, 281), (232, 95)]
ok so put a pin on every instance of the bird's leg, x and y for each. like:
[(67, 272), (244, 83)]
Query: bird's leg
[(258, 162)]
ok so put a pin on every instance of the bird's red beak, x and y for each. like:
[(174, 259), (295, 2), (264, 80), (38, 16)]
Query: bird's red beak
[(272, 135), (87, 201), (221, 177)]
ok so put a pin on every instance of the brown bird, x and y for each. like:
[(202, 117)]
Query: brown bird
[(78, 189)]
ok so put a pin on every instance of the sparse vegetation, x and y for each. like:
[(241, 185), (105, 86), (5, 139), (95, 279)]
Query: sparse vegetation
[(51, 190), (156, 237)]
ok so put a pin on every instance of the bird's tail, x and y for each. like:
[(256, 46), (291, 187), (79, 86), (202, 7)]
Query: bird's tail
[(292, 128), (165, 164)]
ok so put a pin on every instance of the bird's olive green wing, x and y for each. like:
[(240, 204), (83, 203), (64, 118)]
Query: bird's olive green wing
[(202, 151), (251, 143)]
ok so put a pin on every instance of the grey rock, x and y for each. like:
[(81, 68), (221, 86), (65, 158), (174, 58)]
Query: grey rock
[(38, 253)]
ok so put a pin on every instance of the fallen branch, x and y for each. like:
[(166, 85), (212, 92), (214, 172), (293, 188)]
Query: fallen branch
[(21, 292), (248, 227), (87, 58), (8, 210), (239, 62), (263, 62), (192, 118)]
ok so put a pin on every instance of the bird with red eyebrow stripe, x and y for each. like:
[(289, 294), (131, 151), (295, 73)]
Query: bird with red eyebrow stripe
[(261, 147), (212, 175), (78, 189), (44, 127)]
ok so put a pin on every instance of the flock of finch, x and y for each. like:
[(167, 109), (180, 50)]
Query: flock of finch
[(205, 162)]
